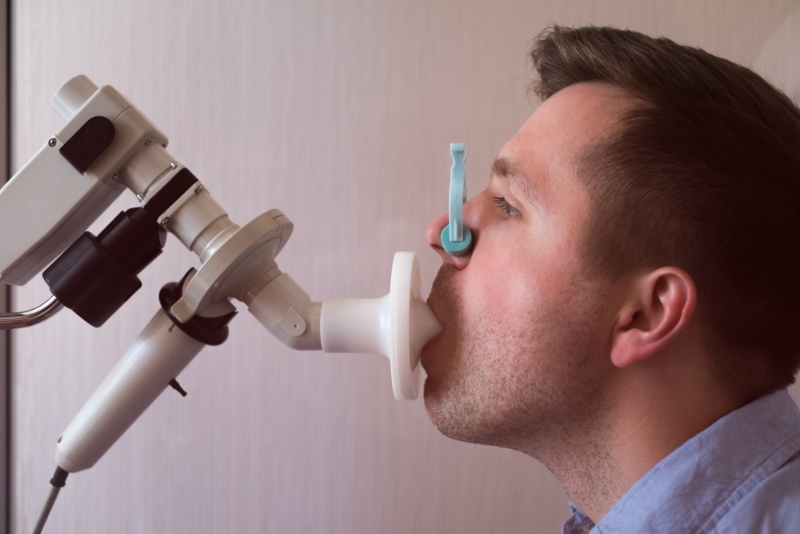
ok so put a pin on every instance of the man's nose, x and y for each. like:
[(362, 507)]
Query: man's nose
[(434, 232)]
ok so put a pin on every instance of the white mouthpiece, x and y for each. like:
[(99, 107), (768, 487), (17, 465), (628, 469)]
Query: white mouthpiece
[(397, 325)]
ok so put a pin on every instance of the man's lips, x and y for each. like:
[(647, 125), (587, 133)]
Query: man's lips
[(432, 341), (431, 302), (439, 304)]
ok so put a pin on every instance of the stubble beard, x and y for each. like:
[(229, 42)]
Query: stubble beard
[(502, 385)]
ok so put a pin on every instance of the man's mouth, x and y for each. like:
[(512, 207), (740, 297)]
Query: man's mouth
[(438, 301), (432, 341)]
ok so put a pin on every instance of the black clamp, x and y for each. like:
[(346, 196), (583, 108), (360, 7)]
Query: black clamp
[(208, 330)]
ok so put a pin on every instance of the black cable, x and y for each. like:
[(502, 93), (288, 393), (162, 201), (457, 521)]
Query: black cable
[(58, 481)]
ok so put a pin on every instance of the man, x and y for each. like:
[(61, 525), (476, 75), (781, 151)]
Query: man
[(628, 313)]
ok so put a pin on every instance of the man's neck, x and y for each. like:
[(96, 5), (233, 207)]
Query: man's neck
[(597, 462)]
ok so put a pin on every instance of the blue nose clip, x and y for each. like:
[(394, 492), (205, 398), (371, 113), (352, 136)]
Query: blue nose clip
[(456, 238)]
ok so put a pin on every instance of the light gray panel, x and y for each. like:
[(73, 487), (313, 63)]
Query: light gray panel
[(340, 113)]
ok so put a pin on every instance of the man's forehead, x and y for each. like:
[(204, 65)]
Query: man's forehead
[(559, 130), (580, 112)]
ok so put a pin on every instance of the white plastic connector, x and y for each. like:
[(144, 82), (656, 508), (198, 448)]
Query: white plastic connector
[(72, 95), (236, 265), (148, 170), (284, 309)]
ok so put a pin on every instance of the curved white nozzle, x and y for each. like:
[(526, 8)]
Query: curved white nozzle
[(397, 325)]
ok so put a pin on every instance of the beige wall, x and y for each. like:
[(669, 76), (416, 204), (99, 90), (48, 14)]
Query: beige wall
[(340, 114)]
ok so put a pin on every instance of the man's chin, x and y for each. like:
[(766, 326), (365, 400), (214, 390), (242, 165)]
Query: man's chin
[(435, 412), (438, 409), (430, 396), (449, 425)]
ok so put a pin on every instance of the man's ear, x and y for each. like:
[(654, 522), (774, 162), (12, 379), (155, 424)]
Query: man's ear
[(659, 305)]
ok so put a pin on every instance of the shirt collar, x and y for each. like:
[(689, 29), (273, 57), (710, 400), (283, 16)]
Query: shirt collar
[(695, 485), (578, 523)]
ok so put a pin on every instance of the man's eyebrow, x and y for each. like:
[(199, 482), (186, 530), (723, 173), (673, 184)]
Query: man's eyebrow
[(505, 168)]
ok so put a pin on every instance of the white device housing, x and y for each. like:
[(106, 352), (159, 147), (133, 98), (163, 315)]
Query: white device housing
[(56, 201)]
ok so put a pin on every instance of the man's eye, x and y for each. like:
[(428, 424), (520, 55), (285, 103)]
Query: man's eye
[(503, 204)]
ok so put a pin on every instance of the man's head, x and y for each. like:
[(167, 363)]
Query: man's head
[(705, 175), (649, 167)]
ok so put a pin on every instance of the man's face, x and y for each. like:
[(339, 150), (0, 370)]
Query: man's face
[(526, 332)]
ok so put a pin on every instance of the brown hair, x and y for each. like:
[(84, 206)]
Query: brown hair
[(703, 175)]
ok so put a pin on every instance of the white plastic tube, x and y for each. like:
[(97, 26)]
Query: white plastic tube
[(356, 325)]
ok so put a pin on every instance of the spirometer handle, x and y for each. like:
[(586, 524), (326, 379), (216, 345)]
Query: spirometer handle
[(159, 354)]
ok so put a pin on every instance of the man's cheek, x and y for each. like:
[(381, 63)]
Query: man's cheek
[(501, 293)]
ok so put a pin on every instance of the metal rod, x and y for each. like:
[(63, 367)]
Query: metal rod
[(9, 321), (48, 506)]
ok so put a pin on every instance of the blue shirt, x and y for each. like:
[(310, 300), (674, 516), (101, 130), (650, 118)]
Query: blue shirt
[(741, 474)]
